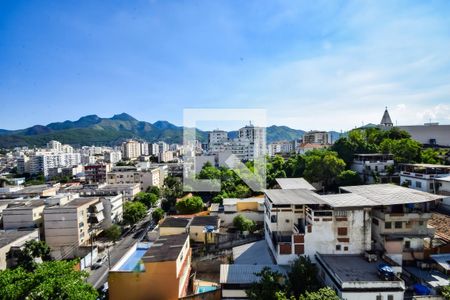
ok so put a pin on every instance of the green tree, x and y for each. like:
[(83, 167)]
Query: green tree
[(322, 294), (133, 212), (445, 291), (172, 190), (190, 205), (268, 286), (243, 224), (348, 177), (323, 166), (275, 169), (242, 191), (113, 233), (154, 190), (158, 214), (148, 199), (403, 150), (430, 156), (50, 280), (302, 276), (33, 250), (295, 166)]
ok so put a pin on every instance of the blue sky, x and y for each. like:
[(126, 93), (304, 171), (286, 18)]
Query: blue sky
[(312, 64)]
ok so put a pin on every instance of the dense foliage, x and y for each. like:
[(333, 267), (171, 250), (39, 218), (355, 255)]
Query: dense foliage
[(266, 288), (300, 283), (158, 214), (32, 251), (49, 280), (302, 276), (133, 212), (148, 199), (190, 205), (113, 233), (243, 224), (173, 189)]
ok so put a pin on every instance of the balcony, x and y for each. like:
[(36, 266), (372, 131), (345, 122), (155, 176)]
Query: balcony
[(402, 216)]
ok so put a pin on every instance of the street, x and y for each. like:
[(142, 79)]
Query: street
[(99, 276)]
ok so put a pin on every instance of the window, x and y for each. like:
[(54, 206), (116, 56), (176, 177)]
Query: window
[(376, 168), (390, 297), (342, 230), (375, 221), (379, 297), (420, 223), (338, 247), (273, 219), (345, 248), (407, 244), (388, 225), (398, 225), (418, 184)]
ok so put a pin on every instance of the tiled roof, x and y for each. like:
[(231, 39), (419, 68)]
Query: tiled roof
[(441, 223)]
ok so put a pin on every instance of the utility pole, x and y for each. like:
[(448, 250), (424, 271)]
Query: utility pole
[(109, 258)]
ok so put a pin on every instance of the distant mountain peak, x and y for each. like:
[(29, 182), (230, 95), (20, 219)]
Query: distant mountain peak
[(123, 117), (164, 125)]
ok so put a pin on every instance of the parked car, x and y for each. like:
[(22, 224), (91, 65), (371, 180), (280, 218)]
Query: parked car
[(98, 263)]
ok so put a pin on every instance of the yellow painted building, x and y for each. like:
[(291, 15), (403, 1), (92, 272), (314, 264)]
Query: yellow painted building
[(174, 225), (157, 273), (203, 229)]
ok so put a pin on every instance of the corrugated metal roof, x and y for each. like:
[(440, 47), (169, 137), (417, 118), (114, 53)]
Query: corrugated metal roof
[(443, 260), (244, 274), (389, 194), (348, 200), (296, 197), (294, 183)]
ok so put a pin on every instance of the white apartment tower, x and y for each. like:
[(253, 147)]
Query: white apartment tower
[(131, 149), (54, 146)]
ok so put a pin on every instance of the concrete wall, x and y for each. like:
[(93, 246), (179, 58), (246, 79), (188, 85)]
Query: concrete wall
[(27, 217), (324, 235), (171, 230), (423, 133), (226, 219)]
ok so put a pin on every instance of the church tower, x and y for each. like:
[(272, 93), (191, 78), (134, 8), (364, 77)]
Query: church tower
[(386, 120)]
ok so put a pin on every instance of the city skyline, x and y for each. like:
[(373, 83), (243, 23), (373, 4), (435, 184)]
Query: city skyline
[(311, 65)]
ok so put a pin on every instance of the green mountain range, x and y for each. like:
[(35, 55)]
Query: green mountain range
[(93, 130)]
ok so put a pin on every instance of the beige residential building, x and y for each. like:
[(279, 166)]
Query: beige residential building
[(14, 240), (24, 215), (131, 149), (70, 226), (127, 175)]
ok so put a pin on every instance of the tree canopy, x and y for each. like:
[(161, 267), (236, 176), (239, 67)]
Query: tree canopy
[(133, 212), (50, 280), (31, 251), (148, 199), (157, 214), (113, 233), (190, 205), (266, 288), (323, 166), (302, 276), (243, 224)]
